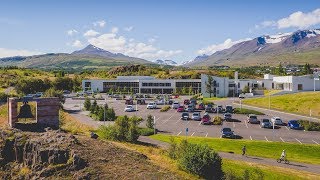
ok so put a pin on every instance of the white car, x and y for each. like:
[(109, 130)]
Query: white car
[(276, 121), (152, 105), (129, 108), (175, 105), (196, 116)]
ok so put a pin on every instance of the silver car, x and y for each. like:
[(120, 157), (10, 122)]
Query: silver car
[(196, 116), (266, 123)]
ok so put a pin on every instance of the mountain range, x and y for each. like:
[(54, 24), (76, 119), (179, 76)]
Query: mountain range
[(302, 46)]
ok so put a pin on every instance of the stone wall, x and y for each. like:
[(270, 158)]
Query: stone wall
[(47, 111)]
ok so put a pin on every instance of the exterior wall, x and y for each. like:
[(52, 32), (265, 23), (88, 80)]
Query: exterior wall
[(221, 91), (307, 83)]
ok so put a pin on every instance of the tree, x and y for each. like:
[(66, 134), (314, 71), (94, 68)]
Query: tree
[(209, 85), (150, 123), (110, 114), (190, 90), (54, 93), (246, 89), (280, 70), (63, 83), (94, 107), (184, 90), (307, 69), (87, 104)]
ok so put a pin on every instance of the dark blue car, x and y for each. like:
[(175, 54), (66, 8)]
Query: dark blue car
[(227, 133), (294, 124)]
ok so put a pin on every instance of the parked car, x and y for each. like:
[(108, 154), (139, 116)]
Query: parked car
[(129, 101), (227, 133), (201, 106), (190, 108), (185, 116), (175, 105), (180, 109), (206, 119), (266, 123), (210, 105), (116, 96), (196, 116), (277, 121), (252, 119), (209, 110), (219, 108), (129, 108), (227, 116), (170, 102), (151, 105), (186, 102), (229, 109), (294, 124), (161, 102), (193, 101)]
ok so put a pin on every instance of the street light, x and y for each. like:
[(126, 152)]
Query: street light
[(154, 124)]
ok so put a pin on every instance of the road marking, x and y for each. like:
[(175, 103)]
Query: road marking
[(282, 139), (250, 138), (179, 133), (167, 119), (199, 123), (287, 128), (207, 135), (157, 119), (192, 134), (266, 138), (178, 121), (315, 141), (298, 141), (188, 122), (234, 125)]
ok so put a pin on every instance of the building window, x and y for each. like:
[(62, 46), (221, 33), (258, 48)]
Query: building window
[(263, 85), (168, 84), (87, 84), (272, 85), (238, 85), (300, 87), (144, 84), (232, 85)]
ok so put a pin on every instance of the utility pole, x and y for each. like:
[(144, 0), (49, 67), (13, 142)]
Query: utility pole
[(154, 124), (269, 101)]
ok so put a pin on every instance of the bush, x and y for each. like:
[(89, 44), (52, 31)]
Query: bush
[(165, 108), (150, 122), (247, 111), (87, 104), (3, 97), (124, 129), (309, 126), (217, 120), (197, 159), (146, 131)]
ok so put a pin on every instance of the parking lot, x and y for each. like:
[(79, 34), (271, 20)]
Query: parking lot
[(170, 123)]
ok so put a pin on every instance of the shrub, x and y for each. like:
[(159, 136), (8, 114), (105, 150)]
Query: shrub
[(246, 111), (217, 120), (197, 159), (146, 131), (165, 108), (3, 97), (87, 104), (309, 126), (124, 129), (150, 122)]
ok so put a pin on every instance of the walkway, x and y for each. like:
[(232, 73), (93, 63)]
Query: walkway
[(271, 162)]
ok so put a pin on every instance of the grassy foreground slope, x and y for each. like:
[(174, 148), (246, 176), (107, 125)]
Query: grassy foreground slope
[(299, 103), (295, 152)]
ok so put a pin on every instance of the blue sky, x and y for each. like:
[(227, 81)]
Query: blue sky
[(166, 29)]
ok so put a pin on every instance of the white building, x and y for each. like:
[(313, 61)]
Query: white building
[(221, 86)]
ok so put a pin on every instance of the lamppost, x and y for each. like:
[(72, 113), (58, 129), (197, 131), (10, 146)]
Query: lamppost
[(269, 101), (154, 124)]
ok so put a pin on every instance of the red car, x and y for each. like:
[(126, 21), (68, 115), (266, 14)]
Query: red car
[(180, 109), (205, 119), (186, 102), (201, 106)]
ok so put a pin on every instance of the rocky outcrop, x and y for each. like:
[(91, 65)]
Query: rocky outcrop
[(42, 153)]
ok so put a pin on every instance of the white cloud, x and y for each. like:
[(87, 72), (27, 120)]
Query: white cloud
[(114, 30), (130, 28), (14, 52), (218, 47), (118, 44), (72, 32), (77, 44), (151, 40), (91, 33), (295, 20), (101, 23)]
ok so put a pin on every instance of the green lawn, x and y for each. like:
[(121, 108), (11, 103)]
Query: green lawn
[(299, 103), (259, 171), (295, 152), (247, 111)]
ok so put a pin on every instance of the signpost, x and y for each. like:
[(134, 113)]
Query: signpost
[(154, 124), (316, 78)]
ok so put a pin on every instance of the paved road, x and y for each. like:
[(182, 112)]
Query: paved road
[(271, 162), (170, 123)]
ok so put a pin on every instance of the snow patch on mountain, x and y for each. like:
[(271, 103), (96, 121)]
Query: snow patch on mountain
[(166, 62)]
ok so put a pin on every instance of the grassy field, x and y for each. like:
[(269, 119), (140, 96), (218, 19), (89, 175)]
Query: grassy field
[(299, 103), (237, 168), (72, 125), (256, 171), (295, 152), (3, 115)]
